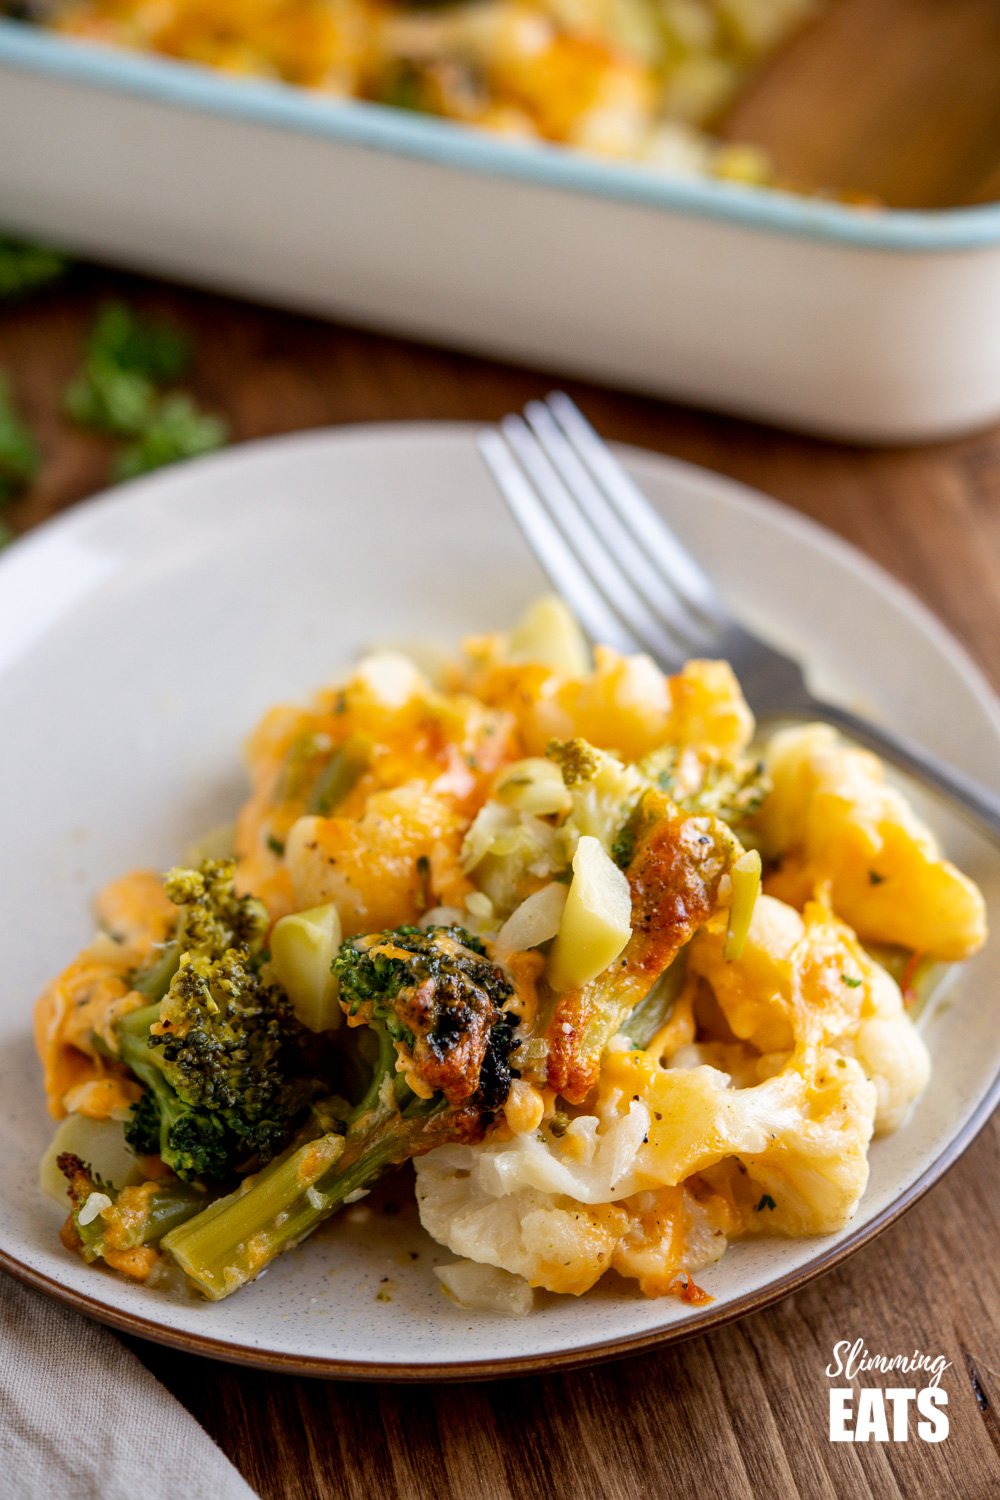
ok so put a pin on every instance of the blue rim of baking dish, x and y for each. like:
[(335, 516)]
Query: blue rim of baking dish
[(444, 143)]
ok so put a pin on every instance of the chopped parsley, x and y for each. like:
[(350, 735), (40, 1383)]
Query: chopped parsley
[(19, 458), (107, 399), (851, 981), (275, 845), (874, 878), (117, 391), (175, 429), (623, 847), (157, 352), (125, 360), (766, 1202), (25, 268)]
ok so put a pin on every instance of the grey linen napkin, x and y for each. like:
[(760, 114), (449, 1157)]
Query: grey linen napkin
[(81, 1418)]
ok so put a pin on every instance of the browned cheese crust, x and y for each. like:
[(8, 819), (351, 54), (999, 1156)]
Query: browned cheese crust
[(674, 875)]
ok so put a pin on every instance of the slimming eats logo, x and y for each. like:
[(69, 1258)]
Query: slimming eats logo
[(891, 1414)]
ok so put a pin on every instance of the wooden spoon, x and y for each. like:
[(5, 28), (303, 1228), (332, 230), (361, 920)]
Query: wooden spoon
[(898, 100)]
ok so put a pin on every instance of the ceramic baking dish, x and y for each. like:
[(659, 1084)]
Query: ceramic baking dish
[(871, 325)]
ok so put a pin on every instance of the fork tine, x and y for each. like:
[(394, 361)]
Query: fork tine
[(565, 572), (616, 556), (587, 546), (679, 570)]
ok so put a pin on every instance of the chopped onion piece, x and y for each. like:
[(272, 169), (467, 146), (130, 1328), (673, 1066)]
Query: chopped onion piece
[(534, 921), (534, 785), (486, 1288), (597, 918)]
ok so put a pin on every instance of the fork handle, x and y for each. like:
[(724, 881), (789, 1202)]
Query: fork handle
[(969, 796)]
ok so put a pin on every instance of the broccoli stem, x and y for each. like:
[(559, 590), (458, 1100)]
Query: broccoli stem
[(135, 1024), (339, 776), (171, 1205), (233, 1240), (651, 1014), (193, 1143), (140, 1059), (137, 1215), (154, 982)]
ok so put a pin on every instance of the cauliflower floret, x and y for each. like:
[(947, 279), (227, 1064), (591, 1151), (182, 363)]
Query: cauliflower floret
[(370, 867), (892, 1053), (806, 1130), (559, 1211), (387, 680), (708, 709), (556, 1242), (593, 1166), (540, 1206), (625, 704), (832, 818), (806, 980), (669, 1231), (545, 1237), (755, 990), (629, 705)]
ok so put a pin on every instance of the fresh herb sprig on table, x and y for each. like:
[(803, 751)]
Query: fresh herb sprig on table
[(124, 362), (26, 268), (19, 456), (117, 391), (177, 429)]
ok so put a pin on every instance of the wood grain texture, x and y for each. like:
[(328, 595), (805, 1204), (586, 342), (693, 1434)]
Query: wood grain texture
[(742, 1412)]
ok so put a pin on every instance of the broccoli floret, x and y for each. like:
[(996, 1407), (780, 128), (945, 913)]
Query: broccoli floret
[(731, 789), (436, 1007), (193, 1143), (604, 792), (211, 918), (142, 1129), (577, 760), (222, 1055), (441, 999)]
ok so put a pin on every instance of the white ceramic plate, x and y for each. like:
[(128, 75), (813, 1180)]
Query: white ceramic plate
[(140, 638)]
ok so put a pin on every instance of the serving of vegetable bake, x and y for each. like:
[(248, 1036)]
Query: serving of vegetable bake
[(624, 984), (635, 79)]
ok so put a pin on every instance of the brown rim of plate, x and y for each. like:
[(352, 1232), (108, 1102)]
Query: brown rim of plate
[(529, 1364)]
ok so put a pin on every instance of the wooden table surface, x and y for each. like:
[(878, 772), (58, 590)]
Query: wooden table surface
[(741, 1412)]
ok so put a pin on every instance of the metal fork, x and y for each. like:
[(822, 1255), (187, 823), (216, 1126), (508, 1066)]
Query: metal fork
[(633, 585)]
